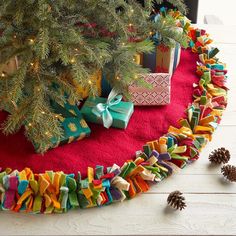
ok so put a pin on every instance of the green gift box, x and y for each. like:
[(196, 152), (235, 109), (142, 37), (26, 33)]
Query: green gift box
[(74, 126), (72, 122), (109, 112)]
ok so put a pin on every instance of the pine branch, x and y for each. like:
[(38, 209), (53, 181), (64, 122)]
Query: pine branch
[(179, 4)]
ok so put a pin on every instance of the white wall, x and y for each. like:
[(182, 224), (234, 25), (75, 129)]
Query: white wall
[(225, 10)]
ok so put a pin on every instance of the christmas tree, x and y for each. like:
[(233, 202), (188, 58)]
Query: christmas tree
[(58, 42)]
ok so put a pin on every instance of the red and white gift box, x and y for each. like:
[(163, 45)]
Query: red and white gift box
[(159, 94)]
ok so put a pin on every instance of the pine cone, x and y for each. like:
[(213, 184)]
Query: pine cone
[(229, 172), (176, 200), (219, 156)]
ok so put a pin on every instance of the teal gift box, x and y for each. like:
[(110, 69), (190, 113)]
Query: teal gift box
[(72, 122), (109, 112)]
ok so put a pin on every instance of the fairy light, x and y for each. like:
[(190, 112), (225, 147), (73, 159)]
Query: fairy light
[(14, 36), (130, 25), (47, 133), (31, 63), (31, 41), (76, 49), (43, 112), (90, 82), (72, 61), (132, 10), (151, 33), (3, 74), (123, 44), (30, 125), (117, 77)]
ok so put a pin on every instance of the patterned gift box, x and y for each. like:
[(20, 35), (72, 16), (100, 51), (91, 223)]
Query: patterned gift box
[(163, 59), (74, 126), (119, 111), (159, 94)]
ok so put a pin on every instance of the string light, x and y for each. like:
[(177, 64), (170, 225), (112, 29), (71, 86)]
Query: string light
[(151, 33), (117, 77), (132, 10), (3, 74), (123, 44), (47, 133), (29, 124), (31, 41), (90, 82), (31, 63), (72, 60), (14, 36), (76, 49), (130, 25), (43, 112)]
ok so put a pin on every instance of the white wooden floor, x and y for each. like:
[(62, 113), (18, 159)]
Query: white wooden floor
[(211, 200)]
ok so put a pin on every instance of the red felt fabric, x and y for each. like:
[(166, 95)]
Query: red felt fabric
[(106, 147)]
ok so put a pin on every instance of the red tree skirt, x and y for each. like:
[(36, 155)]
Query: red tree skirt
[(106, 147)]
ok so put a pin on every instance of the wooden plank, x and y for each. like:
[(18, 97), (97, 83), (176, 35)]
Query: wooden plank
[(229, 117), (194, 184), (206, 214)]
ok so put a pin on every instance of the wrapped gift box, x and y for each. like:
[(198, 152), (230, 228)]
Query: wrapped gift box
[(120, 112), (159, 94), (96, 79), (74, 126), (106, 87), (163, 59), (149, 61), (167, 59)]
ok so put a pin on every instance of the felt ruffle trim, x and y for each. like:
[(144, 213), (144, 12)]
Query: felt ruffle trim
[(57, 192)]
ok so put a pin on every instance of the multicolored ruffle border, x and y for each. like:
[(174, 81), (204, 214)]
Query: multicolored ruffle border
[(57, 192)]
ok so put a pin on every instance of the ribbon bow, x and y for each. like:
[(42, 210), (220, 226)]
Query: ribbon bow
[(103, 109)]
